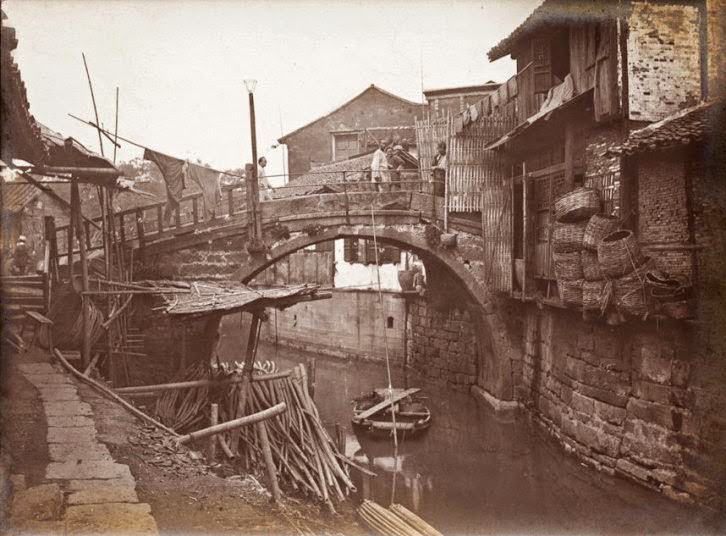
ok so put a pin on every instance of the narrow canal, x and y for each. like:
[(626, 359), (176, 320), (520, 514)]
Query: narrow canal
[(474, 472)]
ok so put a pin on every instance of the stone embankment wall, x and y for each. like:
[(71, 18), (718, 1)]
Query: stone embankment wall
[(633, 400), (442, 344), (349, 324)]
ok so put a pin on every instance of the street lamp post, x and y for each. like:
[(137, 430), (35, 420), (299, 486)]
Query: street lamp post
[(252, 187)]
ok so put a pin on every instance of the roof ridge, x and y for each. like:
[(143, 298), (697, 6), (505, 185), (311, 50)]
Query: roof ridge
[(372, 86)]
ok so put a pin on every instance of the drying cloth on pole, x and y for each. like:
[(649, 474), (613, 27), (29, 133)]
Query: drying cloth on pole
[(209, 181), (173, 171)]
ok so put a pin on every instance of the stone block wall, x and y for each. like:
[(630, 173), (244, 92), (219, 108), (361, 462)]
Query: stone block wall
[(664, 59), (215, 261), (442, 344), (636, 400)]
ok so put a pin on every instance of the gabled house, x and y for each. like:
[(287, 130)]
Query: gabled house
[(353, 128)]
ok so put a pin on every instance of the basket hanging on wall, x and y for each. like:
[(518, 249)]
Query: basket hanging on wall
[(590, 266), (630, 293), (599, 226), (577, 205), (568, 266), (619, 254), (568, 237), (570, 291), (596, 295)]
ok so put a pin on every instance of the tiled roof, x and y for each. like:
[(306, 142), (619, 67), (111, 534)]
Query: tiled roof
[(687, 126), (354, 170), (554, 12), (17, 195)]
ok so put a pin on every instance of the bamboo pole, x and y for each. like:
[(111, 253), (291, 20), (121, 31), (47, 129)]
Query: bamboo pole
[(234, 424), (109, 393), (85, 306), (269, 462), (213, 421)]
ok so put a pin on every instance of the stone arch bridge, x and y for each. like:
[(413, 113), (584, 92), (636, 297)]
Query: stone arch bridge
[(188, 247)]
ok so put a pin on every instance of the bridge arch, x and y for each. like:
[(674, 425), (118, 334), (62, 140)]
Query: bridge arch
[(498, 348)]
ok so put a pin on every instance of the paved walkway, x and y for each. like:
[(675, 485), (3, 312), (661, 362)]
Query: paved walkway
[(100, 493)]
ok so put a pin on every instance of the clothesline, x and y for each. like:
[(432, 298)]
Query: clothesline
[(135, 144)]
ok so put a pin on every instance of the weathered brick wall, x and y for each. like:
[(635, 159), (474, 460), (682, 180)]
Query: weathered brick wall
[(442, 344), (662, 209), (716, 32), (313, 144), (664, 62), (644, 401), (350, 324)]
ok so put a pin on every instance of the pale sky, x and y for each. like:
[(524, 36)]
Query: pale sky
[(180, 64)]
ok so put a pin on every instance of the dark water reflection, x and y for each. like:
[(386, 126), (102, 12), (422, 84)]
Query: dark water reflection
[(475, 473)]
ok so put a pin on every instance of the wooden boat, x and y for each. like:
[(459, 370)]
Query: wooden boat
[(373, 413)]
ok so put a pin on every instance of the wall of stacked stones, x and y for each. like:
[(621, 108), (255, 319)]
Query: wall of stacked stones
[(442, 344), (645, 401)]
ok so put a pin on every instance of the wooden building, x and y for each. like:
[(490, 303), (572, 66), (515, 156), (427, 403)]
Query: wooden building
[(453, 100), (353, 128), (587, 74)]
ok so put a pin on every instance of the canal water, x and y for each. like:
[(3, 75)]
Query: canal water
[(474, 472)]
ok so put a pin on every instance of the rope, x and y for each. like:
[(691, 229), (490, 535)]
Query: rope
[(388, 362)]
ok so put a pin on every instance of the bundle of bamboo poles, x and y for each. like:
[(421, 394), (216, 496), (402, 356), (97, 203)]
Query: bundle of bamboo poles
[(185, 410), (395, 521), (305, 457)]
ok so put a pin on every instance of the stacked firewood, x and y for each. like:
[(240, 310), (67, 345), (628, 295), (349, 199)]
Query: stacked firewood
[(305, 456)]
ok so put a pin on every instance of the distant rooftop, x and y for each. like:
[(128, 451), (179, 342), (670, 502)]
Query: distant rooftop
[(489, 86)]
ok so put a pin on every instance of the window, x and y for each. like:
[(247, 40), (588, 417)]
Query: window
[(350, 250), (364, 251), (345, 146), (328, 245)]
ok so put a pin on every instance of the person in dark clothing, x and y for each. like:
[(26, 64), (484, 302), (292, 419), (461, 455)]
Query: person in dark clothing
[(438, 169)]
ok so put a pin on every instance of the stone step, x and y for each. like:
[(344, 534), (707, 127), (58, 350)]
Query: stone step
[(98, 469), (110, 518)]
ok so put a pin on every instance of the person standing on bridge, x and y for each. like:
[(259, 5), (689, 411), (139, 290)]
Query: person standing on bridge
[(379, 165), (263, 185), (438, 169)]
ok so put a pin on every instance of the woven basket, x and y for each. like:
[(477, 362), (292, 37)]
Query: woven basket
[(596, 295), (630, 293), (590, 266), (570, 291), (577, 205), (599, 226), (619, 254), (568, 266), (567, 237)]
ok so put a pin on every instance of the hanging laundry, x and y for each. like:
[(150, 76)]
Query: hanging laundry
[(172, 170), (209, 181), (473, 113)]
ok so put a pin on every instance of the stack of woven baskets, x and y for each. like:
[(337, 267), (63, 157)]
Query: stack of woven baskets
[(572, 212), (621, 261)]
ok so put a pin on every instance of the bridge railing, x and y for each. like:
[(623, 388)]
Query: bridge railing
[(150, 222)]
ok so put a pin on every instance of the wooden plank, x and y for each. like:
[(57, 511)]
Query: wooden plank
[(386, 403)]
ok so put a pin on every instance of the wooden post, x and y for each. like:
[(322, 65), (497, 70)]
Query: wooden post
[(213, 420), (195, 211), (311, 376), (247, 371), (85, 306), (177, 216), (69, 242), (230, 201), (525, 230), (140, 232), (251, 191), (269, 462), (159, 219)]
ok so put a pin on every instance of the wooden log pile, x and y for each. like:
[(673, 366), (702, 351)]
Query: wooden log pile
[(394, 521), (306, 458)]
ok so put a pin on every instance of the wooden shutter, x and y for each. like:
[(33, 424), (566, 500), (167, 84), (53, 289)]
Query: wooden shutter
[(350, 250)]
